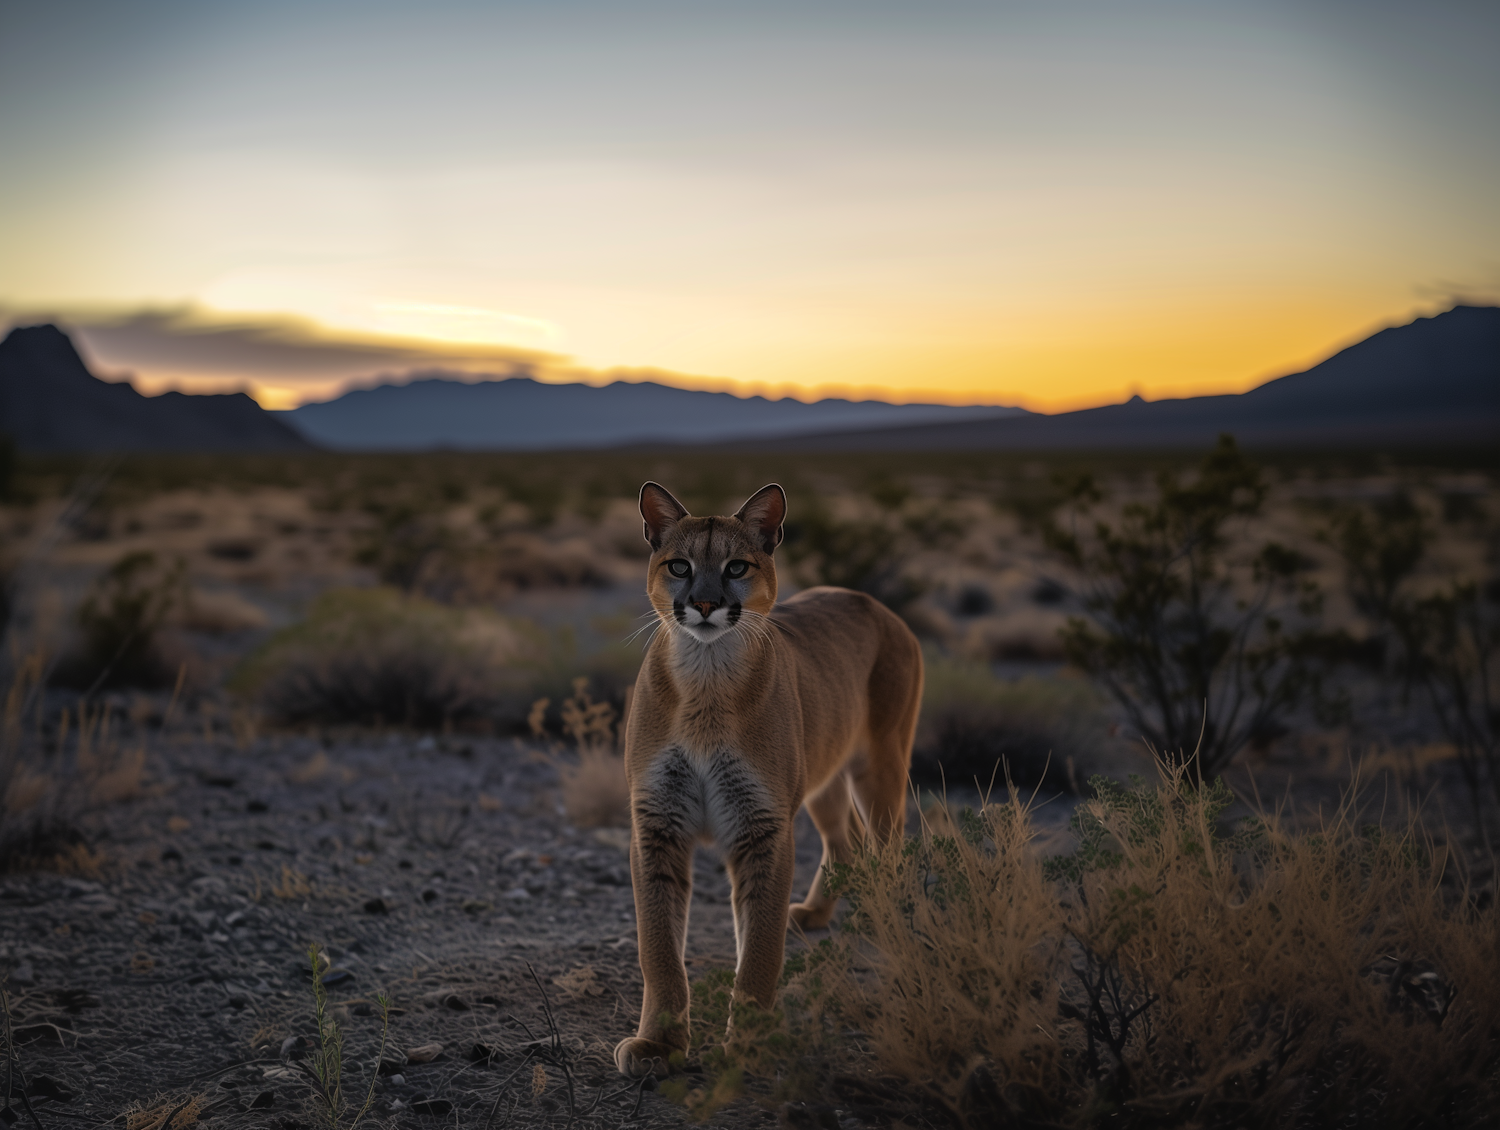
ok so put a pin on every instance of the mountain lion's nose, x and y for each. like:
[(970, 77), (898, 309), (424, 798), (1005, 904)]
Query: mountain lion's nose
[(705, 607)]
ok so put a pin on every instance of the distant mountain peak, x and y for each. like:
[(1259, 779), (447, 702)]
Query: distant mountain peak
[(1435, 380), (49, 401)]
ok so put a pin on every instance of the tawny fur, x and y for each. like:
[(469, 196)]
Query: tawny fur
[(746, 709)]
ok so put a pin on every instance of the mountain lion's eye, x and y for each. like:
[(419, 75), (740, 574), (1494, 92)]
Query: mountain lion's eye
[(679, 568), (736, 568)]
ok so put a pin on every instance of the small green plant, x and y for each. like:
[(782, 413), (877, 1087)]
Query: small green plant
[(324, 1068), (734, 1040)]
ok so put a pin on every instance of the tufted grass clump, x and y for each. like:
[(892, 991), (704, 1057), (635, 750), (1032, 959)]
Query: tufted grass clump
[(1172, 971)]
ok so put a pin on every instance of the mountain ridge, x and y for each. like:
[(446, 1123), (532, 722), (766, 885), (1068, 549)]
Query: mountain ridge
[(50, 402), (520, 413), (1433, 380)]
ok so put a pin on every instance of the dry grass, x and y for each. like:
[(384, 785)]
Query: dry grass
[(293, 885), (1168, 974), (50, 783), (165, 1113), (594, 790)]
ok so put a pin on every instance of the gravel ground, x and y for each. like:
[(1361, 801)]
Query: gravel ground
[(435, 871)]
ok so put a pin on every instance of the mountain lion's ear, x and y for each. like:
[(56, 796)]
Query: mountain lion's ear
[(764, 512), (661, 512)]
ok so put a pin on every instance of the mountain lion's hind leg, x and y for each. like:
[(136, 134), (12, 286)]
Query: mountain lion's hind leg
[(661, 870), (831, 809), (880, 779)]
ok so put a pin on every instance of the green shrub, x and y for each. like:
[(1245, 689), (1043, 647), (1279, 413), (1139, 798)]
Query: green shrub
[(379, 657), (119, 624), (1441, 642), (1204, 649)]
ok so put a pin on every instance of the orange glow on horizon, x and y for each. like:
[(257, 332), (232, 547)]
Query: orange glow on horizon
[(1049, 368)]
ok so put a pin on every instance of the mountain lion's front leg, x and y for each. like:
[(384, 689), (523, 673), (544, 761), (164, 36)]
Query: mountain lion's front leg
[(661, 870), (760, 870)]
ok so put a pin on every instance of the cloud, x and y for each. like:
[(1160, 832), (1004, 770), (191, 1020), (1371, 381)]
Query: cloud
[(284, 360), (279, 358), (187, 338)]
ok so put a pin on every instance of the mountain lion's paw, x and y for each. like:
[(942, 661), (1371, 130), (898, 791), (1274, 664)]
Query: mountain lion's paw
[(639, 1056), (809, 917)]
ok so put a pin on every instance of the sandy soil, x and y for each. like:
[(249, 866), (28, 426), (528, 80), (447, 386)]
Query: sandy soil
[(435, 871)]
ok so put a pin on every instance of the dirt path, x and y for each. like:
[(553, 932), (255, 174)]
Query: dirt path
[(433, 871)]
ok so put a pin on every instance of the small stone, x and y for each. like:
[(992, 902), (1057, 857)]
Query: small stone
[(429, 895), (456, 1003), (294, 1047), (477, 906), (376, 906), (517, 893), (336, 977), (263, 1101), (424, 1054), (398, 1080), (23, 974), (257, 806)]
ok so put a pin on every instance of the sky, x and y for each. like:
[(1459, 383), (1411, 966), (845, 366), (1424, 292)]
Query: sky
[(1052, 205)]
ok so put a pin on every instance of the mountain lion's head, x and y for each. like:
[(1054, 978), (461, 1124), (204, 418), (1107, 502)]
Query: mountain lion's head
[(713, 577)]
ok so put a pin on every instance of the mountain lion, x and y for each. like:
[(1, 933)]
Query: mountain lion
[(744, 710)]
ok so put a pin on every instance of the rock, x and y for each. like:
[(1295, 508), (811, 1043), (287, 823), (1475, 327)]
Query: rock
[(477, 906), (424, 1054), (257, 806), (517, 893), (429, 895), (375, 906), (263, 1101), (456, 1003), (392, 1067), (336, 977), (294, 1047), (23, 974)]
